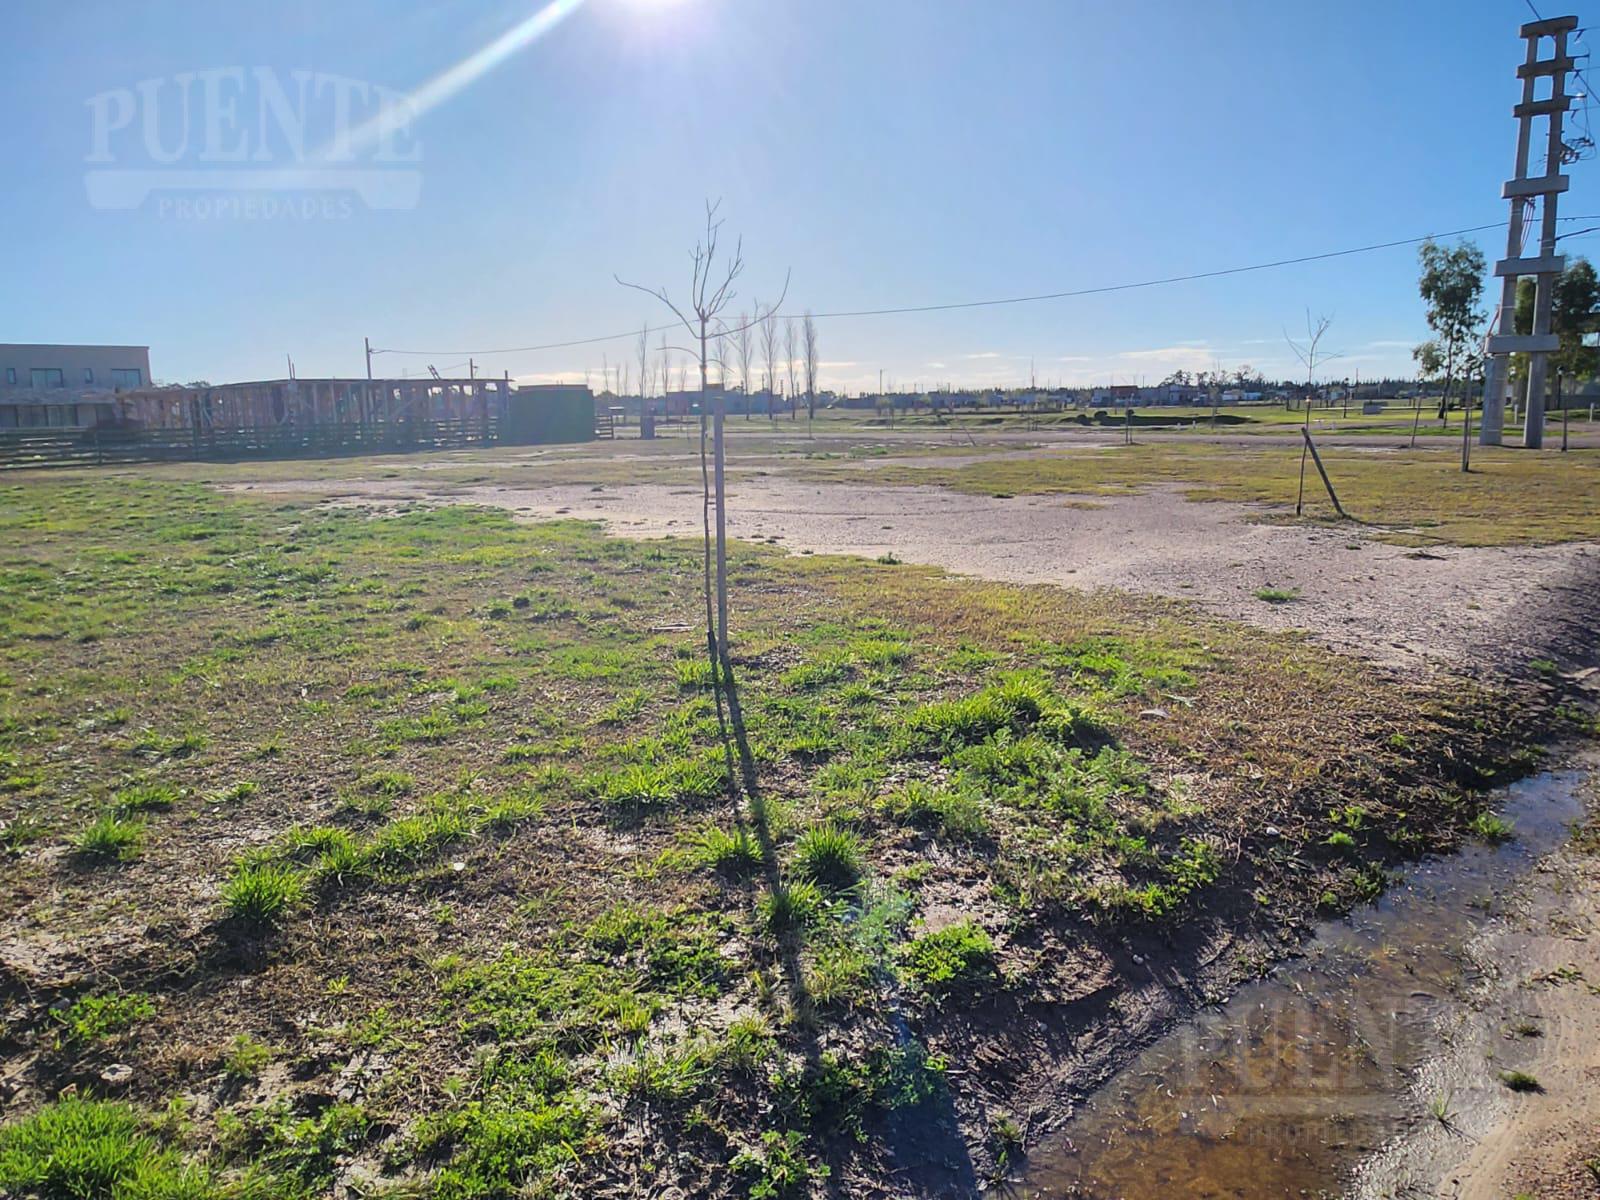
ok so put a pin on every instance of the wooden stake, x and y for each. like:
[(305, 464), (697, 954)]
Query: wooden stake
[(1326, 482)]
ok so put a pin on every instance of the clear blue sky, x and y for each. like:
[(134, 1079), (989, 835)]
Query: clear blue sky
[(888, 151)]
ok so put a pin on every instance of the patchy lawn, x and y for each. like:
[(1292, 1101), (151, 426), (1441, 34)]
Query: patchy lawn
[(1511, 496), (394, 851)]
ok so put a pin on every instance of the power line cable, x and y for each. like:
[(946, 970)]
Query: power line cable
[(1584, 147), (1101, 290)]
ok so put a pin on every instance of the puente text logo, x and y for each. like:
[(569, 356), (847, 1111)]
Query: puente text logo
[(252, 142)]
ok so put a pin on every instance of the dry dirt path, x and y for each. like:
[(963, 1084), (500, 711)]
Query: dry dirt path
[(1455, 607)]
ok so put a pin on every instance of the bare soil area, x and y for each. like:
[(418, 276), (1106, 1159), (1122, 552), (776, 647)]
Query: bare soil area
[(1461, 608)]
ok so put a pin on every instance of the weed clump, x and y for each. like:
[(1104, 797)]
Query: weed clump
[(513, 810), (110, 838), (388, 784), (149, 743), (695, 674), (246, 1056), (524, 1126), (668, 1078), (1019, 704), (1007, 1141), (791, 908), (829, 857), (957, 958), (735, 854), (409, 840), (840, 975), (778, 1168), (18, 834), (261, 893), (651, 787), (144, 797), (675, 952), (1492, 828), (1193, 868), (77, 1149), (90, 1019), (237, 793), (954, 812)]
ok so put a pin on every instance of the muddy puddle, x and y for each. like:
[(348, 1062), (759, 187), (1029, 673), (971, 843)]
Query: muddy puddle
[(1285, 1089)]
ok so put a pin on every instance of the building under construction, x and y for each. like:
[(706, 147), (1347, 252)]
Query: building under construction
[(289, 418), (388, 407)]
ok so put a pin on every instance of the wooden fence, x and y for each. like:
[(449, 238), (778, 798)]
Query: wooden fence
[(28, 448)]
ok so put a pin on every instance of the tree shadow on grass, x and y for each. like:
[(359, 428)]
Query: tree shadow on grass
[(743, 776), (918, 1136)]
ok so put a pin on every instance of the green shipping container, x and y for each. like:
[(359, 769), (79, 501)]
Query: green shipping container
[(544, 415)]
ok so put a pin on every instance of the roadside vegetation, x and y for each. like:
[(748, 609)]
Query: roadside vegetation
[(393, 850)]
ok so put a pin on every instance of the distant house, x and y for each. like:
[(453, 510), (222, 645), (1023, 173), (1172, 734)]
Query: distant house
[(1173, 393), (675, 404), (63, 386), (1117, 396)]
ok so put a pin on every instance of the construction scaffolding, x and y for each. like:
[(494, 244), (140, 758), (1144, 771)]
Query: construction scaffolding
[(282, 418), (386, 406)]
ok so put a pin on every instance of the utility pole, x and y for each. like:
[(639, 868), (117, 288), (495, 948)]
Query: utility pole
[(1547, 265), (472, 369), (366, 396)]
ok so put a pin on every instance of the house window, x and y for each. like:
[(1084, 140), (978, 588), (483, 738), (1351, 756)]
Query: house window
[(126, 377), (47, 377), (11, 376), (88, 374)]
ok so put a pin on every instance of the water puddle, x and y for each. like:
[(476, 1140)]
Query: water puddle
[(1281, 1091)]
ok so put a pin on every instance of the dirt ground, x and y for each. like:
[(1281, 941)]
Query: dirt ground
[(1455, 607)]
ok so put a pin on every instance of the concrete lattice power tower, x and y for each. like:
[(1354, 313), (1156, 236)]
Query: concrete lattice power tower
[(1546, 266)]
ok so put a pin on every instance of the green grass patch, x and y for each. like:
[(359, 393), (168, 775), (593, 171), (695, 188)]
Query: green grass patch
[(736, 855), (143, 798), (83, 1149), (90, 1019), (110, 838), (260, 895), (829, 856), (958, 958)]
